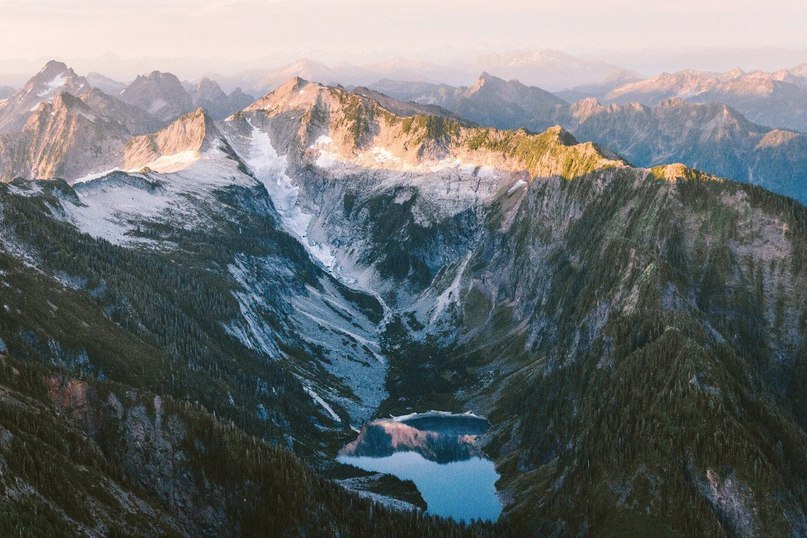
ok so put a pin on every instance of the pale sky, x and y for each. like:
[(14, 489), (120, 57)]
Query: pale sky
[(246, 30)]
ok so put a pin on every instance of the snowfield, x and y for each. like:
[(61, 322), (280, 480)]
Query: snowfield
[(270, 169), (51, 87), (114, 204)]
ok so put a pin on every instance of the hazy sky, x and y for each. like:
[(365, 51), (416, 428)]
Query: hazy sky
[(353, 29)]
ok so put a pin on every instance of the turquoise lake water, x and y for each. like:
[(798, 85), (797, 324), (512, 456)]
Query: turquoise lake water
[(462, 490)]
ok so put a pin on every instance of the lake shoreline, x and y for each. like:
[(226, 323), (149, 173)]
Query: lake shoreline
[(437, 451)]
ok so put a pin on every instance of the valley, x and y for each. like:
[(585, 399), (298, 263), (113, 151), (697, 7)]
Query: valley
[(233, 325)]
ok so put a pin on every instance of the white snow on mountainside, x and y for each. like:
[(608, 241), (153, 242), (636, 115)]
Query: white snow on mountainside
[(114, 204), (180, 190), (270, 169)]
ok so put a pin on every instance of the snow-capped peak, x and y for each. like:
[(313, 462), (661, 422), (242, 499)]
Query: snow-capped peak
[(54, 78)]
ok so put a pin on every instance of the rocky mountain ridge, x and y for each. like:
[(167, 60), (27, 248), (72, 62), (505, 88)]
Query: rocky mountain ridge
[(53, 79), (326, 257), (773, 99), (160, 94), (550, 69), (710, 136), (58, 125), (529, 291)]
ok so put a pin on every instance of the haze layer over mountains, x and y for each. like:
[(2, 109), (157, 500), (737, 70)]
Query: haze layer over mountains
[(742, 126)]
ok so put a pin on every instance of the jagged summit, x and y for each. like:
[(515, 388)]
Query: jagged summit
[(490, 101), (486, 78), (208, 94), (369, 129), (63, 138), (296, 82), (55, 77), (304, 68), (489, 81), (296, 92), (175, 146), (160, 94), (51, 68), (484, 82), (775, 99), (512, 92)]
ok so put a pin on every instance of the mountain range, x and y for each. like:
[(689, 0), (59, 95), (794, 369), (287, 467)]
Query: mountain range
[(199, 313), (713, 136), (59, 125), (777, 99), (548, 68)]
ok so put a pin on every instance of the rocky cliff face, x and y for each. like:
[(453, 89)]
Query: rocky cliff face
[(175, 146), (773, 99), (208, 95), (675, 127), (63, 138), (160, 94), (635, 335), (55, 78), (593, 299)]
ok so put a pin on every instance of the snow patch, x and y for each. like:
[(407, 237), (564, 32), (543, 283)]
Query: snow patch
[(487, 172), (172, 163), (50, 87), (518, 184), (382, 155), (322, 403), (30, 190), (323, 140), (95, 175), (327, 156), (403, 197), (113, 205), (254, 334), (451, 293), (270, 169), (348, 343)]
